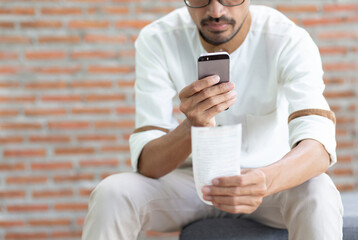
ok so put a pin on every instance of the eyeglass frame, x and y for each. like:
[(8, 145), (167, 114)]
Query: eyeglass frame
[(220, 1)]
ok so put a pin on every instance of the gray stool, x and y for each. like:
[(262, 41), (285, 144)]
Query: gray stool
[(243, 229)]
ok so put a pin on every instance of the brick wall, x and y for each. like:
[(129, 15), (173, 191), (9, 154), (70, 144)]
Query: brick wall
[(66, 101)]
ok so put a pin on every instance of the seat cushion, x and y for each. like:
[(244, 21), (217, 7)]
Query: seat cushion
[(231, 229), (242, 229)]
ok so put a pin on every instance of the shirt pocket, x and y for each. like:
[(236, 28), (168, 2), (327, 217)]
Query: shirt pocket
[(265, 137)]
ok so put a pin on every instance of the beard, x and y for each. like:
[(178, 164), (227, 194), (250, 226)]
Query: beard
[(217, 39)]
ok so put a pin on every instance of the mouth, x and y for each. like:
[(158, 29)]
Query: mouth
[(217, 27)]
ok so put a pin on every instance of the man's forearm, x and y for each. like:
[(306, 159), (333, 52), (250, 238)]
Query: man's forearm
[(164, 154), (308, 159)]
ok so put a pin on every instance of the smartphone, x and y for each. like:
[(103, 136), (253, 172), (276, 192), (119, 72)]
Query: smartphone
[(217, 63)]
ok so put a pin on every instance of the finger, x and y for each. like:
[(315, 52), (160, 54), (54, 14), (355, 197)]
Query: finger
[(233, 201), (246, 179), (198, 86), (212, 103), (214, 91), (252, 190), (242, 209)]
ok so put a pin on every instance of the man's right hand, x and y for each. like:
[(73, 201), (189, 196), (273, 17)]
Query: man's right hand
[(202, 100)]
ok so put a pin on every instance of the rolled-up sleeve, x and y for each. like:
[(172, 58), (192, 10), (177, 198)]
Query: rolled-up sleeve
[(302, 76), (154, 93)]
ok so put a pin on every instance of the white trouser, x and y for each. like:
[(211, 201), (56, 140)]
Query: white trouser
[(125, 204)]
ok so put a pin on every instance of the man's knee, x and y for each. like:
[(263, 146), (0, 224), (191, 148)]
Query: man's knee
[(317, 195), (114, 190)]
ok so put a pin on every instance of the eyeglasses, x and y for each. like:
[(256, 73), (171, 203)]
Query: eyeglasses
[(204, 3)]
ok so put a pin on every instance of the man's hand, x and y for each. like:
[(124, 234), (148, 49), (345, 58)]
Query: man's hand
[(202, 100), (237, 194)]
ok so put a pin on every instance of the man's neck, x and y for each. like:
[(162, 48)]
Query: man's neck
[(234, 43)]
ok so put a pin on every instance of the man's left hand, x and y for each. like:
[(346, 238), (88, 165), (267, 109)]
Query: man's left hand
[(238, 194)]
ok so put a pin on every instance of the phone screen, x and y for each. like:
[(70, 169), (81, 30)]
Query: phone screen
[(214, 64)]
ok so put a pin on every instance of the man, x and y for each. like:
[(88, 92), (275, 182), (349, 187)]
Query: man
[(288, 129)]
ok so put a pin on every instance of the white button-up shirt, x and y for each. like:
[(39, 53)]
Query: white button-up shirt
[(277, 73)]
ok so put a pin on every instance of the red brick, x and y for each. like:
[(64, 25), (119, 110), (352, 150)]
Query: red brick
[(7, 25), (49, 139), (297, 8), (14, 39), (110, 70), (74, 178), (339, 94), (56, 70), (96, 38), (12, 166), (115, 148), (337, 35), (27, 208), (136, 24), (74, 151), (85, 192), (49, 222), (17, 98), (93, 111), (116, 10), (68, 125), (24, 153), (64, 234), (96, 138), (61, 11), (340, 7), (8, 113), (80, 221), (20, 126), (88, 1), (93, 55), (26, 180), (41, 24), (115, 124), (129, 84), (52, 166), (345, 159), (45, 55), (99, 163), (322, 21), (45, 112), (86, 24), (343, 172), (71, 207), (9, 84), (8, 70), (345, 144), (154, 10), (333, 50), (341, 66), (105, 97), (91, 84), (17, 11), (345, 187), (12, 194), (127, 53), (52, 193), (61, 98), (8, 56), (345, 120), (11, 223), (157, 234), (25, 235), (59, 39), (125, 110), (334, 80)]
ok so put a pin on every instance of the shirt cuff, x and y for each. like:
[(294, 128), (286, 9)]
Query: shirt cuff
[(314, 127), (137, 141)]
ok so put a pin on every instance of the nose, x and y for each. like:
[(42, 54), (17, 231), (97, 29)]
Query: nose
[(215, 9)]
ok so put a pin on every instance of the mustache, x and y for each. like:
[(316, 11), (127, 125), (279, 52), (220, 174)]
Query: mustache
[(221, 19)]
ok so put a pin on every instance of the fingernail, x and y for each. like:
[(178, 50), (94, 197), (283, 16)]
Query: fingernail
[(206, 189), (216, 182), (216, 79)]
